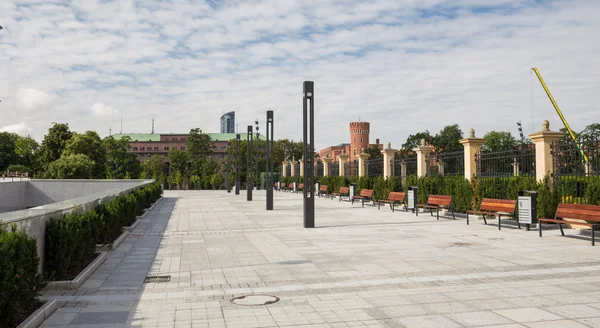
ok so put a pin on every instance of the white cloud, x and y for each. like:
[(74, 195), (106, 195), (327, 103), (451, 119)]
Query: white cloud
[(30, 98), (404, 65), (100, 109), (20, 128)]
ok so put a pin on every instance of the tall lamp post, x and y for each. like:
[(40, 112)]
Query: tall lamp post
[(228, 168), (237, 164), (269, 162), (308, 191), (257, 182), (249, 166)]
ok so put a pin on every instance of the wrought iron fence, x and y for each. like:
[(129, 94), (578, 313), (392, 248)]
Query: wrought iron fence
[(577, 171), (319, 170), (351, 168), (288, 170), (520, 161), (334, 169), (451, 163), (297, 169), (374, 167), (409, 162)]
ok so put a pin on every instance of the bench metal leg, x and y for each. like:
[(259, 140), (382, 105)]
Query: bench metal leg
[(593, 235), (453, 217), (561, 229), (467, 218), (499, 222), (484, 220), (540, 228), (363, 202), (438, 213), (518, 223)]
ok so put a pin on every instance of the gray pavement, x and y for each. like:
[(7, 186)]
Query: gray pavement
[(361, 267)]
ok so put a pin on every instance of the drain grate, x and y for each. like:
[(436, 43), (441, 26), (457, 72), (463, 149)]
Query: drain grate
[(151, 279), (255, 300)]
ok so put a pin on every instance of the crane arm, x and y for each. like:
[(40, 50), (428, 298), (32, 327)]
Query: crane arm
[(560, 114)]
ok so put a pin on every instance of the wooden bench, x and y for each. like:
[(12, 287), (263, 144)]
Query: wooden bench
[(436, 202), (575, 211), (394, 198), (300, 187), (343, 192), (493, 207), (323, 191), (366, 195), (282, 187)]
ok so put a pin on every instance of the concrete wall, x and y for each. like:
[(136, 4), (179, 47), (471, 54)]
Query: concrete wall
[(14, 196), (51, 191), (33, 220)]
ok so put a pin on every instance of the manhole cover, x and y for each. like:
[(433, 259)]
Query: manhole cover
[(255, 300), (291, 262)]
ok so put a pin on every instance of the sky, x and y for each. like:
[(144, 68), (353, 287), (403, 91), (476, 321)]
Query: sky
[(406, 66)]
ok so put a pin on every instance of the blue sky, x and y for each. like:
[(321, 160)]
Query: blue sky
[(404, 65)]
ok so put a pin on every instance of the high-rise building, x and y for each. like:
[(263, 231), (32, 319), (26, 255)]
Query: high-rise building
[(228, 122)]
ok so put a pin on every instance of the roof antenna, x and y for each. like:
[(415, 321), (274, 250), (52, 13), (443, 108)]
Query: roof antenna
[(109, 130), (153, 125)]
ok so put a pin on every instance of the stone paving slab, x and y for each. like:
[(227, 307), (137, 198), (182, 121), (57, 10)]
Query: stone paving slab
[(360, 267)]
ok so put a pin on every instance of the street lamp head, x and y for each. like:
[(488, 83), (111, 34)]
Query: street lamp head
[(1, 28)]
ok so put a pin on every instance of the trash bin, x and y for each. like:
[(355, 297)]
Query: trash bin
[(412, 199), (527, 208)]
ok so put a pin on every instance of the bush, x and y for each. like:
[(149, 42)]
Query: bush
[(592, 192), (71, 241), (19, 278)]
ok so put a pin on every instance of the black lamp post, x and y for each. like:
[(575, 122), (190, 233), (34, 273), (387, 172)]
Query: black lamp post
[(308, 191), (237, 164), (249, 166), (269, 162), (257, 182), (228, 168)]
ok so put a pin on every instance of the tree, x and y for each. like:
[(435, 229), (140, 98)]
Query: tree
[(26, 148), (199, 148), (74, 166), (89, 144), (54, 144), (498, 141), (448, 139), (120, 162), (154, 168), (413, 141), (374, 151), (8, 153), (591, 132)]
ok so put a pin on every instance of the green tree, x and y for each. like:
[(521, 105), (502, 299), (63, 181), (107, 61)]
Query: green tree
[(8, 154), (498, 141), (89, 144), (448, 139), (179, 161), (591, 132), (413, 141), (26, 149), (154, 168), (54, 144), (120, 162), (374, 151), (74, 166), (199, 148)]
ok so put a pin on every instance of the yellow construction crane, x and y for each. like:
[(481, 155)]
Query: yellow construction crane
[(562, 118)]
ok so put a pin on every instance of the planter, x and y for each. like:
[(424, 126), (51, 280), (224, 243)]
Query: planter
[(134, 225), (81, 277), (41, 314), (119, 240)]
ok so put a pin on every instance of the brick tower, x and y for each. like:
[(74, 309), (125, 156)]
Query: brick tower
[(359, 138)]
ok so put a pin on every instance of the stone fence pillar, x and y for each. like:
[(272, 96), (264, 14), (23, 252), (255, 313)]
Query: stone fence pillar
[(302, 166), (472, 146), (388, 157), (326, 161), (343, 160), (284, 167), (543, 152), (293, 171), (362, 163), (422, 152)]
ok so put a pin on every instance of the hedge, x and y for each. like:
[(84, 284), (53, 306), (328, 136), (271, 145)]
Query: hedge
[(71, 240), (19, 278)]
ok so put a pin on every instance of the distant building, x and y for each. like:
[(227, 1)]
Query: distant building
[(359, 139), (145, 145), (228, 122)]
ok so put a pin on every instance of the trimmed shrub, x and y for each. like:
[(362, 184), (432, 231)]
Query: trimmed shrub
[(19, 278), (71, 241), (592, 192)]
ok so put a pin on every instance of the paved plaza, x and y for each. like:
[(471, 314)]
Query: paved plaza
[(361, 267)]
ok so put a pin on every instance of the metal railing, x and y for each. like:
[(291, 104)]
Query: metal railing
[(319, 172), (297, 169), (351, 168), (520, 161), (374, 167), (451, 163), (576, 177), (409, 162), (334, 169)]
